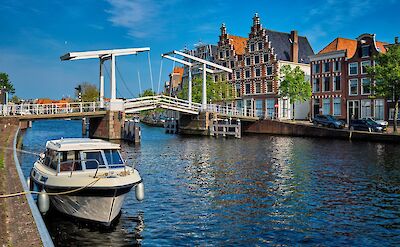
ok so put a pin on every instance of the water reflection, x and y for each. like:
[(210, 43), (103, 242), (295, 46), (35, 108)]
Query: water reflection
[(259, 190)]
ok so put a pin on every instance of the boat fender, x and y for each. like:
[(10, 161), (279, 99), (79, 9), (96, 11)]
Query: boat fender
[(43, 202), (29, 183), (139, 189)]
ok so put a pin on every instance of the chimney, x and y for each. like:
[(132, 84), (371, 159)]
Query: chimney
[(294, 49), (396, 40)]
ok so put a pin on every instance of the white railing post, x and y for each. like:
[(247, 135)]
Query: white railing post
[(80, 107)]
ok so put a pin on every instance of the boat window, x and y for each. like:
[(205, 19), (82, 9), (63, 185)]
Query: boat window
[(70, 161), (113, 157), (51, 159), (90, 158)]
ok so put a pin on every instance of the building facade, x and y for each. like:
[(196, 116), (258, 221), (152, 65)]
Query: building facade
[(173, 86), (339, 80), (256, 62)]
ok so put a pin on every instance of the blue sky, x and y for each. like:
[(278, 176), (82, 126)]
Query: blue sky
[(34, 34)]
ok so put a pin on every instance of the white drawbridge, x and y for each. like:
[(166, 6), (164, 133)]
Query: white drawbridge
[(163, 102)]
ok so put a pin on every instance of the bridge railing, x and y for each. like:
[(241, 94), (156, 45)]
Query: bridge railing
[(161, 101), (46, 109), (234, 111)]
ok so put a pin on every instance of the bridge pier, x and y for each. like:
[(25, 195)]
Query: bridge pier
[(195, 124), (107, 127)]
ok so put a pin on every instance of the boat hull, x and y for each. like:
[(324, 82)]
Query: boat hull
[(94, 208), (95, 204)]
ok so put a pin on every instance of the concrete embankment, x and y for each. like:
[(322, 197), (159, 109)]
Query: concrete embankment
[(17, 224), (296, 129)]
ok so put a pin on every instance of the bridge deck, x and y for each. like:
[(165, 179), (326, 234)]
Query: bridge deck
[(61, 115)]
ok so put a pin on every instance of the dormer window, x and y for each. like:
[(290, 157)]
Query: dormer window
[(221, 55), (365, 51), (260, 46), (227, 53)]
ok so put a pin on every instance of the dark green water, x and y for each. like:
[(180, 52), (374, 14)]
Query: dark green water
[(258, 190)]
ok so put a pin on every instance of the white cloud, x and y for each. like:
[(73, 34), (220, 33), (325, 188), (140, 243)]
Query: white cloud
[(135, 15)]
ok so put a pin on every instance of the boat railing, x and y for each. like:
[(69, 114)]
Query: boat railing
[(75, 162)]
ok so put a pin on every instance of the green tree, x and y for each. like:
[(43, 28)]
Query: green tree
[(6, 83), (147, 92), (386, 74), (15, 99), (89, 92), (294, 85), (216, 91)]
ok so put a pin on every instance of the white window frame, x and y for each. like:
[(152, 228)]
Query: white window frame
[(368, 63), (334, 82), (338, 69), (249, 59), (362, 86), (369, 46), (272, 70), (316, 65), (324, 67), (245, 88), (324, 104), (267, 83), (323, 84), (351, 94), (255, 62), (245, 74), (255, 87), (337, 102), (255, 72), (350, 64), (313, 88), (237, 77), (365, 104), (266, 60), (383, 109)]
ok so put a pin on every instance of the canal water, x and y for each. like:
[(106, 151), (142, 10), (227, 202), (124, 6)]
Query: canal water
[(258, 190)]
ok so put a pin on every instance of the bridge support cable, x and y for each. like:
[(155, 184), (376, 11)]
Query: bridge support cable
[(116, 89), (159, 77), (214, 68), (151, 73), (124, 82), (140, 83)]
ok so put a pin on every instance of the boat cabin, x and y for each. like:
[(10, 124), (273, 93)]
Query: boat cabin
[(82, 154)]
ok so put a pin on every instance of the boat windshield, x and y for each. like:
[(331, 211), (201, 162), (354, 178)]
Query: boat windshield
[(70, 161), (113, 158), (91, 158)]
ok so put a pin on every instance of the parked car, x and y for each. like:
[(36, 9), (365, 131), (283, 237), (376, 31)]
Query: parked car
[(328, 121), (382, 123), (365, 124)]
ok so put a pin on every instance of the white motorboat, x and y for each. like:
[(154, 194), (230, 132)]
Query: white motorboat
[(85, 178)]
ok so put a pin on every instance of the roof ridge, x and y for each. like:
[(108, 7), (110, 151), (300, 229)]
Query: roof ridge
[(282, 32), (237, 36)]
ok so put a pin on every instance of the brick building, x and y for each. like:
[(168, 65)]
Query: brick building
[(339, 80), (175, 81), (256, 61)]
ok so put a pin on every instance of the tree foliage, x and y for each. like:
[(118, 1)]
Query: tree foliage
[(6, 83), (386, 74), (89, 92), (294, 85), (147, 92), (216, 91)]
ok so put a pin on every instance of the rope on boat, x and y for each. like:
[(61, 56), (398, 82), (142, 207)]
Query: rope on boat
[(49, 193)]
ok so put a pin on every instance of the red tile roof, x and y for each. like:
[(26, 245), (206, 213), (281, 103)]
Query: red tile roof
[(179, 71), (350, 45), (239, 43)]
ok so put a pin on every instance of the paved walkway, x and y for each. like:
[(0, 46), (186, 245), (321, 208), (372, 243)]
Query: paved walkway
[(17, 226)]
